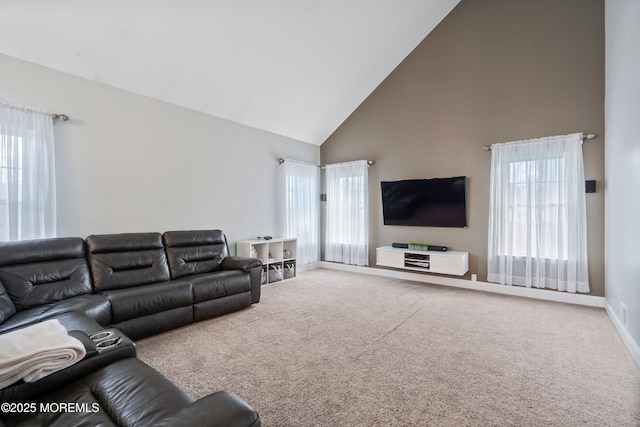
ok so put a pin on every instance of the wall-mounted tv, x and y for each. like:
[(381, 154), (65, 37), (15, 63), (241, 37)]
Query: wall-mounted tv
[(435, 202)]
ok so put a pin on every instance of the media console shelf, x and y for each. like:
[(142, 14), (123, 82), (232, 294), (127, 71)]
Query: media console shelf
[(450, 262)]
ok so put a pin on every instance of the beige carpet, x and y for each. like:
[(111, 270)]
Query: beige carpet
[(332, 348)]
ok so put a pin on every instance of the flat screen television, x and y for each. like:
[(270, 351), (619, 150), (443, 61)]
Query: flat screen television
[(435, 202)]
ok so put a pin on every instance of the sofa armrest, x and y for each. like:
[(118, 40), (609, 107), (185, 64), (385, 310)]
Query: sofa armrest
[(253, 266), (218, 409), (240, 263), (256, 284)]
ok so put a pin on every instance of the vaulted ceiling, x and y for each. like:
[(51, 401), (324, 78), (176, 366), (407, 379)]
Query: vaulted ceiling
[(297, 68)]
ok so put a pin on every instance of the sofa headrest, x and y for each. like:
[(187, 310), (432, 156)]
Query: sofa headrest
[(37, 272), (125, 242), (40, 250), (123, 260), (195, 252), (194, 238)]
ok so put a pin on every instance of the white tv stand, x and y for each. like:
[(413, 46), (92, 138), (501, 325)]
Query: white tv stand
[(450, 262)]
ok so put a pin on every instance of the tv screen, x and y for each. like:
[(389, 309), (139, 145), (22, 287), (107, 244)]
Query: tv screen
[(435, 202)]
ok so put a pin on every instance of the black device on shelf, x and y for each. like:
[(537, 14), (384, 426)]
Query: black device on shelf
[(435, 202), (410, 255), (431, 247)]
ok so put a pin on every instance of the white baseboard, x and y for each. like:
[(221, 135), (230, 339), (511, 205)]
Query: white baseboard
[(542, 294), (628, 340), (307, 267)]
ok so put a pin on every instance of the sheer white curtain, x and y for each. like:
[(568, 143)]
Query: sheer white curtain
[(537, 214), (27, 175), (302, 211), (347, 214)]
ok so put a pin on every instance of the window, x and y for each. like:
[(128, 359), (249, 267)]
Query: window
[(10, 171), (302, 210), (537, 207), (347, 214), (27, 176), (537, 214)]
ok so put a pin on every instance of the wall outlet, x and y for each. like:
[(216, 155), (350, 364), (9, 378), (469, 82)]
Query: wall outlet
[(623, 309), (474, 277)]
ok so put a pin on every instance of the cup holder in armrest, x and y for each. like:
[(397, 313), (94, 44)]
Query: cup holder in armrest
[(108, 343), (104, 341), (101, 336)]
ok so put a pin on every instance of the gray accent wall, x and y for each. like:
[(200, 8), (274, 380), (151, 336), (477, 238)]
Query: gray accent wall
[(129, 163), (492, 71)]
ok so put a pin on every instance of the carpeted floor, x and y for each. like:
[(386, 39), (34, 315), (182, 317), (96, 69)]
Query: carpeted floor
[(331, 348)]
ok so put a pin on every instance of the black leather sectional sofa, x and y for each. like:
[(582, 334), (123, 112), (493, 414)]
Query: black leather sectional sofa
[(136, 284)]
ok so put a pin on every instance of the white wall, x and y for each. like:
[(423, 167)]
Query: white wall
[(129, 163), (622, 166)]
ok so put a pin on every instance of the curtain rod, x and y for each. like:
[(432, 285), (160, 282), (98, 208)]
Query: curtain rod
[(369, 163), (54, 116), (281, 161), (584, 136)]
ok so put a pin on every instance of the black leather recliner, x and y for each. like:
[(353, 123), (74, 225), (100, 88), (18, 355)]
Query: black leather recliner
[(40, 279), (141, 284), (221, 283), (131, 271), (127, 392)]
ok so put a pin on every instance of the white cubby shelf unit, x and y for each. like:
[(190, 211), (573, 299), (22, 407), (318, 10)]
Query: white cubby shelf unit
[(451, 262), (278, 257)]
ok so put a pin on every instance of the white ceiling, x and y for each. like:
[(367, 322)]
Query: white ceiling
[(297, 68)]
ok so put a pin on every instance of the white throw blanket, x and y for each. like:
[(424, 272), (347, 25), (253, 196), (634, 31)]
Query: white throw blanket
[(37, 351)]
